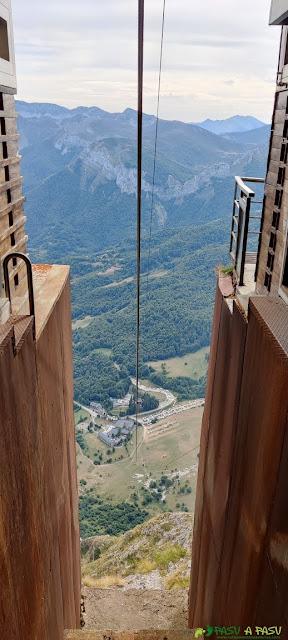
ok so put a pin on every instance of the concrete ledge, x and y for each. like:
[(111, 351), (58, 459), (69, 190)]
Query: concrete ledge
[(49, 282)]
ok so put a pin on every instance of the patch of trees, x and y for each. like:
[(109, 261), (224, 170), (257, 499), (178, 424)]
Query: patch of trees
[(185, 388), (82, 443), (148, 403), (98, 517)]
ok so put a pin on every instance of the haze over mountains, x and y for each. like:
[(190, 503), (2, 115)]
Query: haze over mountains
[(79, 168), (80, 173), (236, 124)]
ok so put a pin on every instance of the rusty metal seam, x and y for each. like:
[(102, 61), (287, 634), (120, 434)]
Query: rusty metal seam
[(206, 445), (265, 541), (20, 342), (6, 337), (275, 582), (275, 344), (233, 457), (207, 503)]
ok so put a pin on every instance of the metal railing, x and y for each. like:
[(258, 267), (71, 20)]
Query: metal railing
[(246, 225)]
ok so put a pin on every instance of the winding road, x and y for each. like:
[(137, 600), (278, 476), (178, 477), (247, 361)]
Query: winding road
[(168, 402)]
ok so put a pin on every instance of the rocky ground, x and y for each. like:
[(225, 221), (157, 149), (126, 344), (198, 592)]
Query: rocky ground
[(135, 609), (155, 555)]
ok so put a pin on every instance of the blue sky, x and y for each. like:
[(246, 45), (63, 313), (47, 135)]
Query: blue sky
[(220, 56)]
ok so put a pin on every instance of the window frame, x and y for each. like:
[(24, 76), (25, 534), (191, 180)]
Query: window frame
[(283, 291)]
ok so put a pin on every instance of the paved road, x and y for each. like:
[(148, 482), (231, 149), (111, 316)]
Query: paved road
[(166, 407), (170, 399)]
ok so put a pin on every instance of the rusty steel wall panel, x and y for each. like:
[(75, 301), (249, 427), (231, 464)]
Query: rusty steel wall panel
[(243, 476), (198, 525), (216, 455), (39, 529), (21, 508)]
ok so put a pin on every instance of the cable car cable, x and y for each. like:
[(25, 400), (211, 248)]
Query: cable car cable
[(156, 140), (139, 197)]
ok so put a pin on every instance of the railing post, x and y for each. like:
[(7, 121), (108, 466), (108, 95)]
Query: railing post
[(241, 213), (233, 214), (246, 214)]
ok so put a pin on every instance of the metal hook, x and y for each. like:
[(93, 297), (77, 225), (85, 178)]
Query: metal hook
[(25, 258)]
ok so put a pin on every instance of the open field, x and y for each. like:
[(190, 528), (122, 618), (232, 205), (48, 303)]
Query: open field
[(171, 450), (104, 350), (158, 394), (193, 365), (80, 415), (161, 273), (82, 323)]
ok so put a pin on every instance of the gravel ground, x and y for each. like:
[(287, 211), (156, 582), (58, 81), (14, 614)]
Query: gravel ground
[(135, 609)]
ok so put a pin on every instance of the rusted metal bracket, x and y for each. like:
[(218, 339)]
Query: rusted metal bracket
[(20, 256)]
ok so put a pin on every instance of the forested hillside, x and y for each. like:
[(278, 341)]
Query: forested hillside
[(80, 176), (176, 306)]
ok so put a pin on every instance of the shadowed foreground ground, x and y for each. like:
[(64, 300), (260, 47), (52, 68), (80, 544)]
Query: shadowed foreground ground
[(135, 609)]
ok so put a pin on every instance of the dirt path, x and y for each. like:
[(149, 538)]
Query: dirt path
[(135, 609)]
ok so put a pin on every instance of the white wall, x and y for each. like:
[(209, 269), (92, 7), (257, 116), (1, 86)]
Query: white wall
[(279, 11), (7, 69)]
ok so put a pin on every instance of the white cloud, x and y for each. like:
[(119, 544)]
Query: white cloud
[(220, 56)]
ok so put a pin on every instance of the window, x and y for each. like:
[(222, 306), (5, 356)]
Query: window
[(273, 240), (285, 269), (275, 219), (7, 175), (286, 54), (267, 281), (278, 199), (16, 280), (270, 261), (10, 217), (1, 102), (9, 199), (5, 151), (281, 176), (283, 154), (12, 238), (3, 126), (14, 262), (4, 43)]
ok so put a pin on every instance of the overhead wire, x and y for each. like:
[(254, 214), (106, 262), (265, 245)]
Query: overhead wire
[(156, 140), (139, 184), (139, 199)]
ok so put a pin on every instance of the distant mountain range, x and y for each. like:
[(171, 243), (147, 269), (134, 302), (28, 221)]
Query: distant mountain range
[(236, 124), (80, 174), (79, 170)]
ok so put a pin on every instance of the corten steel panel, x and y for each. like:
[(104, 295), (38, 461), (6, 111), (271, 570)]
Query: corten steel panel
[(39, 534), (201, 597), (21, 507), (277, 536), (216, 452), (198, 524), (56, 420), (273, 580), (262, 419), (223, 418), (255, 536)]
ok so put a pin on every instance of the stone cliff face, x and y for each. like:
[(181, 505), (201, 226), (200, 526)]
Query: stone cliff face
[(100, 164), (103, 145)]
